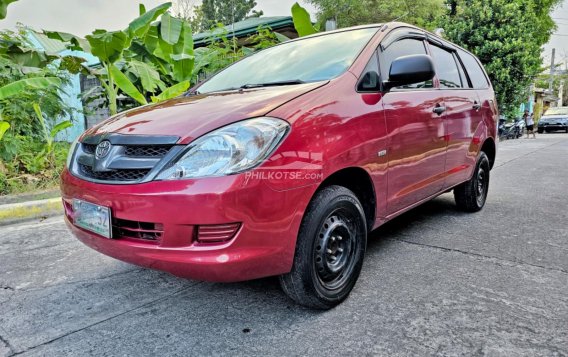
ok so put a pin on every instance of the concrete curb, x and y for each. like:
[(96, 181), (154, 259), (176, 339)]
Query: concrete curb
[(18, 212)]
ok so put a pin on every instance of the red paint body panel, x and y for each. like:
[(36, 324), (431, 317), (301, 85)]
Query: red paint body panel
[(263, 246), (191, 117), (410, 154)]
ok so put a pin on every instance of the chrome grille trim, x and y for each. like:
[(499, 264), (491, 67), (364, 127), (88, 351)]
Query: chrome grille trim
[(131, 159)]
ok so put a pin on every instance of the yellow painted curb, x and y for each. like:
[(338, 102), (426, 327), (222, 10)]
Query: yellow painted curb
[(16, 212)]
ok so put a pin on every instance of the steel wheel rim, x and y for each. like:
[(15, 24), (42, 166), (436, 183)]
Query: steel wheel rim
[(481, 186), (335, 248)]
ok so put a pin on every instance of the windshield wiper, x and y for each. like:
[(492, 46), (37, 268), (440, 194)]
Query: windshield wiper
[(273, 84), (259, 85)]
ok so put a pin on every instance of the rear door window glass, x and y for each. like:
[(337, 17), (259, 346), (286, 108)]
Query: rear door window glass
[(474, 70), (446, 68)]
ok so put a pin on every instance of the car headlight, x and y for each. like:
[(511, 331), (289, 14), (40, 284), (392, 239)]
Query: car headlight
[(71, 153), (229, 150)]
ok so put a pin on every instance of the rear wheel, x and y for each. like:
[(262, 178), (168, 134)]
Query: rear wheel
[(471, 195), (329, 250), (540, 131)]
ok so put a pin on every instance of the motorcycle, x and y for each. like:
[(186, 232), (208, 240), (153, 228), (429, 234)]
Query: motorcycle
[(511, 130)]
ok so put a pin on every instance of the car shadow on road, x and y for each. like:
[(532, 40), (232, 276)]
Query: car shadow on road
[(381, 238), (425, 214)]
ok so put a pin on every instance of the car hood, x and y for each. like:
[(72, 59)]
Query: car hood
[(193, 116)]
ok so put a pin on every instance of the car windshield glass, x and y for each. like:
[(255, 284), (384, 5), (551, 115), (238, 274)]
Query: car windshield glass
[(557, 111), (312, 59)]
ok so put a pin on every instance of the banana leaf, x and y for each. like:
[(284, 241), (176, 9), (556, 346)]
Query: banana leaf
[(172, 92), (170, 28), (302, 21), (139, 26), (29, 83), (126, 85)]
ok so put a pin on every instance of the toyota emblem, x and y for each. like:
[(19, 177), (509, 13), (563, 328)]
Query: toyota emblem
[(103, 149)]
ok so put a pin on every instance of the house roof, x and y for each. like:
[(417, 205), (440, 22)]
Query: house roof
[(245, 27), (48, 45)]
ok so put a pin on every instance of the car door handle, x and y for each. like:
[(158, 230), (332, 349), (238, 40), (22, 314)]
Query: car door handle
[(439, 109), (476, 105)]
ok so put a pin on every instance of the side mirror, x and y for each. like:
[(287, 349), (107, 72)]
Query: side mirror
[(370, 82), (409, 70)]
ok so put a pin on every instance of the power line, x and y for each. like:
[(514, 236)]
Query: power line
[(560, 34)]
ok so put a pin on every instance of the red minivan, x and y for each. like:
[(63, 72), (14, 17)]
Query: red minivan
[(283, 162)]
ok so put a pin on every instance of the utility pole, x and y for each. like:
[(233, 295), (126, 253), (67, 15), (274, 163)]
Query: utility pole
[(561, 94), (551, 80)]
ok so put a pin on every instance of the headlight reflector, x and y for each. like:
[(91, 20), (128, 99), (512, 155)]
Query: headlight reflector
[(229, 150)]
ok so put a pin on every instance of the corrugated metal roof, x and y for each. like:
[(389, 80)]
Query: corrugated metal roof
[(245, 27), (48, 45)]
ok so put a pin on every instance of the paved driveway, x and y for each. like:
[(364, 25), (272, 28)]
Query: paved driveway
[(435, 282)]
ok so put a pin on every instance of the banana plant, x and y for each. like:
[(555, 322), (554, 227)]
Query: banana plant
[(15, 88), (146, 58), (49, 135), (302, 21), (4, 8)]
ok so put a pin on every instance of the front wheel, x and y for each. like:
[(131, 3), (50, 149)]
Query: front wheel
[(540, 131), (329, 250), (471, 195)]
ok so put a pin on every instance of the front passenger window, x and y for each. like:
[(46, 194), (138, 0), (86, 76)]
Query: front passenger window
[(404, 47)]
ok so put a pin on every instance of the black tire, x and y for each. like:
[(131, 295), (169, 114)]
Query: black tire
[(471, 195), (540, 131), (329, 251)]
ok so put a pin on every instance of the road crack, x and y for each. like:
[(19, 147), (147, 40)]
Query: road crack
[(8, 345), (495, 260), (527, 154)]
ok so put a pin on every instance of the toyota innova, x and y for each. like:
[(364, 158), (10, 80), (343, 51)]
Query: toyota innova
[(282, 163)]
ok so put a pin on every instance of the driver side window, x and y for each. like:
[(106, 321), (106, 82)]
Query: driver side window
[(404, 47)]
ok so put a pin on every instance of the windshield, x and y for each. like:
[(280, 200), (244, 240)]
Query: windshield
[(557, 111), (307, 60)]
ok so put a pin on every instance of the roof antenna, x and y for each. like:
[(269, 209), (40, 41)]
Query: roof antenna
[(400, 17), (403, 15)]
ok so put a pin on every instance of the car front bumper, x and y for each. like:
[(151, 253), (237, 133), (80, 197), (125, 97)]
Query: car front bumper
[(552, 126), (264, 244)]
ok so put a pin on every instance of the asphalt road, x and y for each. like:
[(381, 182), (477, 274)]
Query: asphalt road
[(435, 282)]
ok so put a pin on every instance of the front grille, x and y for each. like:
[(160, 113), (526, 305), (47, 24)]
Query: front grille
[(147, 151), (89, 148), (128, 159), (114, 175), (123, 228)]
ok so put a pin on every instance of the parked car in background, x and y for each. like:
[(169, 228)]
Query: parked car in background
[(553, 120), (282, 163)]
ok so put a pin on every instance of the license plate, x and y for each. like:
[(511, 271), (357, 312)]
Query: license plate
[(92, 217)]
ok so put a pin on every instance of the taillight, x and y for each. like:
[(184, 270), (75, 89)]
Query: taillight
[(217, 233)]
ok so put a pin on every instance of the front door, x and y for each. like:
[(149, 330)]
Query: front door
[(415, 123)]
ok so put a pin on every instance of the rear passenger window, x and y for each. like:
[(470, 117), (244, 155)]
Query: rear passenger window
[(404, 47), (446, 68), (476, 75), (465, 82)]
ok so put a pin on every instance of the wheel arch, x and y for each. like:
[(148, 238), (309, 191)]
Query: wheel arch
[(489, 149), (359, 181)]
